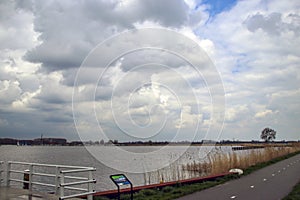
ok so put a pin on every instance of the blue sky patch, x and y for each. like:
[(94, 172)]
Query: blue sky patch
[(218, 6)]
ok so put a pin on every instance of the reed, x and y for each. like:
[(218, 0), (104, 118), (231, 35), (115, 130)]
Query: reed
[(223, 162), (217, 162)]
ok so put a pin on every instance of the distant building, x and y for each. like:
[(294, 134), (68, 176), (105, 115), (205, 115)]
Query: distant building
[(76, 143), (38, 141), (25, 142), (50, 141), (209, 142), (8, 141)]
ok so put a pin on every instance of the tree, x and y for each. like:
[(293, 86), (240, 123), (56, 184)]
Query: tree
[(102, 142), (268, 134), (115, 142)]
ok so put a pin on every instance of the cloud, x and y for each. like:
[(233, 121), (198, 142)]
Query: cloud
[(9, 92), (149, 106), (16, 28), (42, 45), (265, 113), (256, 54), (236, 113), (273, 23), (3, 122), (76, 28)]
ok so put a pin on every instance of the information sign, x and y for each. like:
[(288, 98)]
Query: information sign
[(121, 180)]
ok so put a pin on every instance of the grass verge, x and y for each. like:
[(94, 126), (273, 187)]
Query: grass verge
[(169, 193), (294, 194)]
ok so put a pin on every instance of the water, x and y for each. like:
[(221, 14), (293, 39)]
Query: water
[(140, 159)]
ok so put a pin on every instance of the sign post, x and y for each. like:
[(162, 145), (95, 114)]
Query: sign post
[(120, 180)]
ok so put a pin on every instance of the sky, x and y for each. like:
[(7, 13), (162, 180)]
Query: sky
[(64, 73)]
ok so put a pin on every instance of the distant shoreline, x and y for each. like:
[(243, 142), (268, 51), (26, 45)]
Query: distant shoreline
[(233, 144)]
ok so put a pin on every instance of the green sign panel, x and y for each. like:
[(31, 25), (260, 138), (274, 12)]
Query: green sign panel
[(120, 179)]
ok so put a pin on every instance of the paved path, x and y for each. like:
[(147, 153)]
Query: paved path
[(270, 183), (9, 193)]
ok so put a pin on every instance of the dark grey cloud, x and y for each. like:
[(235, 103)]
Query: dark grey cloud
[(270, 24), (29, 83), (59, 119), (25, 125), (27, 5), (70, 29), (54, 99), (168, 13), (55, 95), (273, 23)]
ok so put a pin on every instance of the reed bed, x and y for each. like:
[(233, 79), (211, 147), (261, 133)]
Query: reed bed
[(217, 162), (223, 162)]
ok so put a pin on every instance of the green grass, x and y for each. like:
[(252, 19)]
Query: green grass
[(172, 192), (168, 193), (294, 194)]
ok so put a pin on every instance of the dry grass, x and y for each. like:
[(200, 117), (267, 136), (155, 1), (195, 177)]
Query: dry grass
[(218, 162), (223, 162)]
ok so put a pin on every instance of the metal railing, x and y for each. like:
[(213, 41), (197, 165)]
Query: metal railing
[(62, 175), (1, 171)]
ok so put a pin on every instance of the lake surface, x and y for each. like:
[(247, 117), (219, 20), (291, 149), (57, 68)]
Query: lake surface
[(141, 164)]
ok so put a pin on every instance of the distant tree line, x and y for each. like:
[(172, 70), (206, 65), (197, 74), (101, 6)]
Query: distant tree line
[(267, 135)]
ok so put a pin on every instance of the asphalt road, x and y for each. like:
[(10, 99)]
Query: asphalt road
[(270, 183)]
